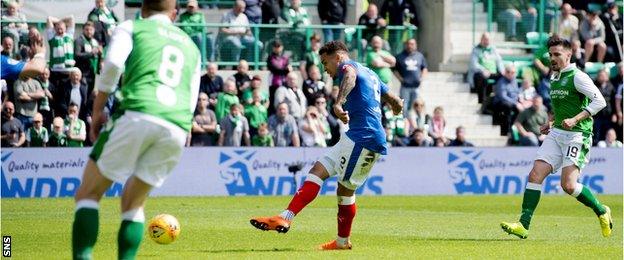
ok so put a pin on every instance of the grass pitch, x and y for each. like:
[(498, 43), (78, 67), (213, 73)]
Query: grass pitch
[(414, 227)]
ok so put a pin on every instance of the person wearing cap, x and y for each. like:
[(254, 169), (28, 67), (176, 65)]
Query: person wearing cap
[(193, 16), (592, 32)]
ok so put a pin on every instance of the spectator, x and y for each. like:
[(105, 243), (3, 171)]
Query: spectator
[(619, 77), (256, 84), (283, 127), (57, 136), (438, 124), (610, 141), (396, 127), (380, 61), (329, 121), (312, 58), (332, 12), (12, 129), (568, 24), (204, 123), (45, 108), (411, 68), (37, 135), (419, 139), (418, 117), (73, 91), (613, 28), (513, 12), (505, 100), (28, 92), (603, 120), (529, 122), (234, 128), (256, 112), (253, 11), (271, 10), (193, 15), (296, 16), (278, 65), (237, 37), (375, 24), (226, 99), (399, 13), (539, 75), (88, 54), (14, 25), (211, 83), (61, 40), (313, 86), (8, 47), (460, 138), (242, 77), (293, 96), (263, 138), (104, 20), (526, 95), (312, 130), (485, 63), (618, 111), (440, 142), (75, 128), (592, 32)]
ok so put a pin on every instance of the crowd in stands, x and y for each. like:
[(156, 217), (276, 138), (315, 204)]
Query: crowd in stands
[(518, 97)]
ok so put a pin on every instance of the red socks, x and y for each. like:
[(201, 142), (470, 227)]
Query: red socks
[(346, 213), (306, 194)]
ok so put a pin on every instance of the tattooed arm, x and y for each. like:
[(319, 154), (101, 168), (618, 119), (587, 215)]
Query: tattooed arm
[(395, 102), (347, 84)]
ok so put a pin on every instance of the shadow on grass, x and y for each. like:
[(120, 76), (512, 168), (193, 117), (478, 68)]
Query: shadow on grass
[(468, 239), (246, 250)]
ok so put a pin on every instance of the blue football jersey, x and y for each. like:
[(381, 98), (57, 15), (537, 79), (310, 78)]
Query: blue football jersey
[(364, 107), (10, 68)]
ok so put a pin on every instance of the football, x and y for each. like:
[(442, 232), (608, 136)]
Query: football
[(163, 229)]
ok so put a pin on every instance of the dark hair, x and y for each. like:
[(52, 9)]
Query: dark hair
[(277, 43), (333, 47), (558, 41), (89, 23), (418, 130), (72, 104)]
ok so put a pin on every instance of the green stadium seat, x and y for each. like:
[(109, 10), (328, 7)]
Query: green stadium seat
[(535, 38), (592, 68), (611, 67)]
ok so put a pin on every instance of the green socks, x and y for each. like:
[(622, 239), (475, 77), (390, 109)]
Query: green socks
[(129, 239), (585, 196), (531, 197), (85, 229)]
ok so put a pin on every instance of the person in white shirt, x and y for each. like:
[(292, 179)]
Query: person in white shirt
[(237, 37)]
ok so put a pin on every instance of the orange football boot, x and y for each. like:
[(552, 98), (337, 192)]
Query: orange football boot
[(333, 245), (276, 223)]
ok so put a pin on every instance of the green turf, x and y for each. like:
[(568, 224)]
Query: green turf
[(422, 227)]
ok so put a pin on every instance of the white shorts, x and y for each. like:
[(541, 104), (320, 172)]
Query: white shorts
[(564, 148), (350, 162), (141, 145)]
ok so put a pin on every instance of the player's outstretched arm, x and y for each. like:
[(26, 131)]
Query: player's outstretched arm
[(395, 102)]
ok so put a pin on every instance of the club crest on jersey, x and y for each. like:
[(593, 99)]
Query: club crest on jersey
[(564, 81)]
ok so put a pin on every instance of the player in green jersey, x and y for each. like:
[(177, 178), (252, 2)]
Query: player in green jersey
[(142, 145), (575, 99)]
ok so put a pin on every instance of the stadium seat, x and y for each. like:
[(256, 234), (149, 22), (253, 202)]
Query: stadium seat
[(533, 38), (611, 67), (592, 68)]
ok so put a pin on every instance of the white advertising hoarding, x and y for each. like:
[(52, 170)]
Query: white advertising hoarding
[(248, 171)]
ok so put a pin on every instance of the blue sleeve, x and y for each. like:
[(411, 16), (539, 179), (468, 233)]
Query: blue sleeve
[(382, 87), (10, 68)]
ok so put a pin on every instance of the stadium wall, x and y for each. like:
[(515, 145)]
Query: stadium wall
[(51, 172)]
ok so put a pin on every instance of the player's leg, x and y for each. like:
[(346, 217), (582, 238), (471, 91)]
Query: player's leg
[(152, 169), (86, 218), (133, 218), (575, 157), (306, 194), (548, 159)]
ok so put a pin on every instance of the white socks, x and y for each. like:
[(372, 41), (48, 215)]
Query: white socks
[(134, 215)]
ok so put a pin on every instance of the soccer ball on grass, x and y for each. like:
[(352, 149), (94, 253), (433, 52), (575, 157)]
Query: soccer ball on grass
[(163, 229)]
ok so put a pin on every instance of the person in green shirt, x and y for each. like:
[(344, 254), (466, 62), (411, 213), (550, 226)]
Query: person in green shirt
[(312, 58), (76, 129), (263, 138), (192, 15), (256, 84), (380, 61), (256, 113), (58, 137), (296, 16), (37, 135), (225, 99)]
